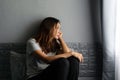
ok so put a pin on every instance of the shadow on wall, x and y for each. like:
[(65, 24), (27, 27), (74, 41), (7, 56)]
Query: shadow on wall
[(31, 30)]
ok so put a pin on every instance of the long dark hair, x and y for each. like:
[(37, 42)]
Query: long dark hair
[(44, 36)]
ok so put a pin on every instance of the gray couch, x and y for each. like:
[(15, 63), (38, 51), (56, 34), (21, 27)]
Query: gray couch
[(12, 60)]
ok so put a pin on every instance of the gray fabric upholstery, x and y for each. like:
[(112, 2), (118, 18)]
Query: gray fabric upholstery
[(17, 66)]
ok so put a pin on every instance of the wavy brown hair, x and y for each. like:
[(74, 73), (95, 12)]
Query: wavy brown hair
[(44, 36)]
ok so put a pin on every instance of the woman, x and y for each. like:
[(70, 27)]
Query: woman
[(48, 56)]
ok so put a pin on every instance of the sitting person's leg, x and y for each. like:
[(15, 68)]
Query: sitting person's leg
[(58, 70), (74, 68)]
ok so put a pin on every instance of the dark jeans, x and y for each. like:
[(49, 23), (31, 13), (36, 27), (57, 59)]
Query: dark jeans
[(60, 69)]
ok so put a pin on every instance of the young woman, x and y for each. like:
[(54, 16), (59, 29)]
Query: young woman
[(49, 57)]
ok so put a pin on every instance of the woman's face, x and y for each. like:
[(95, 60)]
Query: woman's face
[(56, 31)]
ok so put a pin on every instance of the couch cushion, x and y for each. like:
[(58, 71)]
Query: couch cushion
[(17, 61)]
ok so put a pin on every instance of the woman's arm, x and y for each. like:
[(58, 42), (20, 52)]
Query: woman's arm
[(48, 59), (66, 49), (64, 46)]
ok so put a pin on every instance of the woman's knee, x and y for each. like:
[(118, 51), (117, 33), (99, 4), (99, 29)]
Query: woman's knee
[(74, 65), (73, 61), (62, 62)]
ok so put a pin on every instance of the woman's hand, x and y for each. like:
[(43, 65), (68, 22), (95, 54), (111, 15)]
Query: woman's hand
[(78, 55), (60, 34)]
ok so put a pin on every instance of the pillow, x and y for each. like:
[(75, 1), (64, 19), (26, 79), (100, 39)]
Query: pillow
[(17, 61)]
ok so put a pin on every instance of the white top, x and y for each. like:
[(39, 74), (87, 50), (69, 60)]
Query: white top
[(34, 64)]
